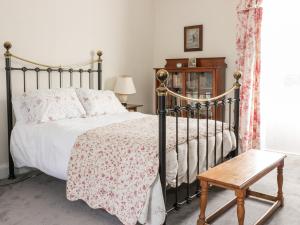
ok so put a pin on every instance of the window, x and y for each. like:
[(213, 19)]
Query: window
[(280, 77)]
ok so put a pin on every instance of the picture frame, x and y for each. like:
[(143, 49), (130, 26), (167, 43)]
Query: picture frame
[(192, 62), (193, 38)]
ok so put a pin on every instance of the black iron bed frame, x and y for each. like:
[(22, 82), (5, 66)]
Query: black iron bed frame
[(218, 102), (41, 68), (213, 105)]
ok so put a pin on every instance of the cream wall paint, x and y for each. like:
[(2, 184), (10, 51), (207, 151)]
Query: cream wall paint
[(219, 22), (134, 35), (68, 31)]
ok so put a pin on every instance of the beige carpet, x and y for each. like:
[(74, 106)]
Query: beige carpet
[(41, 201)]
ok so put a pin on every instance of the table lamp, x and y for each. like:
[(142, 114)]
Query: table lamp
[(124, 87)]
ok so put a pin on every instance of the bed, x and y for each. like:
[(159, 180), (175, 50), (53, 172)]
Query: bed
[(48, 146)]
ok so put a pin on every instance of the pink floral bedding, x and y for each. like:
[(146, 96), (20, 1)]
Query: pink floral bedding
[(113, 167)]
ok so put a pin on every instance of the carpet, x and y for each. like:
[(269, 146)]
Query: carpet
[(41, 201)]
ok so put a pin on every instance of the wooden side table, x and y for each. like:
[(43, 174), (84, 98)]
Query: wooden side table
[(133, 107), (238, 174)]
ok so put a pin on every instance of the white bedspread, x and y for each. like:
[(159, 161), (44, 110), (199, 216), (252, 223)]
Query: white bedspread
[(47, 146)]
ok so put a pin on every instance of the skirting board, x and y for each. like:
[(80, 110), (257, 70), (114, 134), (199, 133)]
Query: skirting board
[(4, 171)]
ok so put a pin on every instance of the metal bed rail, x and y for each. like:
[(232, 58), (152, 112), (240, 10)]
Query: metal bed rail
[(193, 112)]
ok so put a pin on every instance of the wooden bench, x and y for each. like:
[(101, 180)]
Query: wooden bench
[(239, 174)]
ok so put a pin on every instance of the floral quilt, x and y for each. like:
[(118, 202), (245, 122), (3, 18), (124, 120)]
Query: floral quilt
[(113, 167)]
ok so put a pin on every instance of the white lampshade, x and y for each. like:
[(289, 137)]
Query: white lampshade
[(125, 86)]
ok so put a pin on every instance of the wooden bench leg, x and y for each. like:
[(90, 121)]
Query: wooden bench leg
[(240, 194), (203, 203), (280, 182)]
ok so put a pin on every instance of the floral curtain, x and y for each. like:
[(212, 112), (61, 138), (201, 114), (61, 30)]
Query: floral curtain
[(248, 62)]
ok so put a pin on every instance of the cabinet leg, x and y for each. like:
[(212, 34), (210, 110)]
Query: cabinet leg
[(240, 194), (280, 183), (203, 203)]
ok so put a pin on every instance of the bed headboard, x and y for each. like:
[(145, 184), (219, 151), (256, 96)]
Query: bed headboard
[(49, 70)]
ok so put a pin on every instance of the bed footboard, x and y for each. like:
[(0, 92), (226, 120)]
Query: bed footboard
[(229, 108)]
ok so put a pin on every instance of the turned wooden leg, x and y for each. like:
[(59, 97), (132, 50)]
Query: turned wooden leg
[(203, 203), (280, 182), (240, 194)]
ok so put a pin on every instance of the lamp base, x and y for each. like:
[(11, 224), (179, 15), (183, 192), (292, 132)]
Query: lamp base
[(123, 99)]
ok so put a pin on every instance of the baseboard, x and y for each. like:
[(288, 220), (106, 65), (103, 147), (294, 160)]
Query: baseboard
[(4, 171)]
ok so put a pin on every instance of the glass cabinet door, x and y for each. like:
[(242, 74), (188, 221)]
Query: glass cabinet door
[(175, 84), (206, 85), (199, 85), (192, 85)]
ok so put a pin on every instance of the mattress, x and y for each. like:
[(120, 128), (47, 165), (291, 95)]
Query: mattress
[(47, 147)]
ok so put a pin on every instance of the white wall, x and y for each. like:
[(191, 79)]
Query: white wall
[(219, 21), (64, 32)]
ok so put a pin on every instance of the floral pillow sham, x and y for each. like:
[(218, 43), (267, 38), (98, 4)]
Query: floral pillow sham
[(97, 102), (47, 105)]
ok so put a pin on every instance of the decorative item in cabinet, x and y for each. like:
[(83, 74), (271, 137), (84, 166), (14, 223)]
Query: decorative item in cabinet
[(206, 80)]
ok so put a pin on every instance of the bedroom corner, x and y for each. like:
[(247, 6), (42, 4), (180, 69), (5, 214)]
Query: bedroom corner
[(152, 112)]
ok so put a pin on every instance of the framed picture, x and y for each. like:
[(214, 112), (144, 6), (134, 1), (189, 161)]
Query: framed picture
[(192, 62), (193, 38)]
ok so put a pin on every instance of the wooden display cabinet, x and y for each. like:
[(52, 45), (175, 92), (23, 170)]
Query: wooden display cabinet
[(206, 80)]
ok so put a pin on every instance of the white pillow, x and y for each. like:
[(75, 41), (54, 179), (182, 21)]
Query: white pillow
[(97, 102), (47, 105)]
